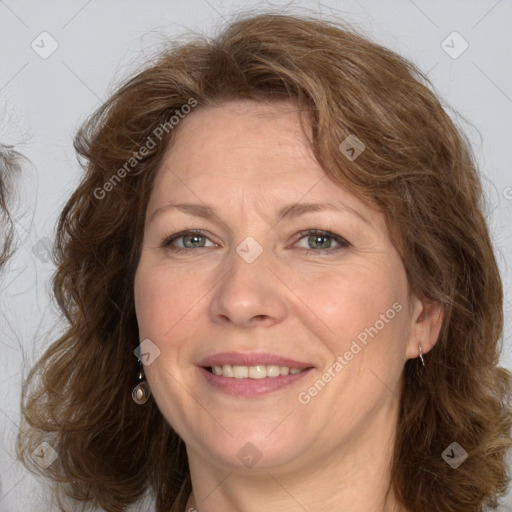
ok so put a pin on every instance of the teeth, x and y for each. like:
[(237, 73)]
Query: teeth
[(239, 372), (259, 371)]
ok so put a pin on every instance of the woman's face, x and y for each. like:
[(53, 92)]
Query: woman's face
[(256, 294)]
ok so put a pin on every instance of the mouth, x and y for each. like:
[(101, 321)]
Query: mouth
[(251, 375), (259, 371)]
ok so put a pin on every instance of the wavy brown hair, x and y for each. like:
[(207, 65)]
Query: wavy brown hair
[(417, 168)]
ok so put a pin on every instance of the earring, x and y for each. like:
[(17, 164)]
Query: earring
[(421, 355), (141, 391)]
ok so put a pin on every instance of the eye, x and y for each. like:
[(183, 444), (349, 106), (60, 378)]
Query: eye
[(192, 239), (318, 241), (321, 241)]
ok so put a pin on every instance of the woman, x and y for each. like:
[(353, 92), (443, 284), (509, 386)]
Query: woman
[(280, 289)]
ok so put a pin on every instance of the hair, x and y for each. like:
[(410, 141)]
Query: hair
[(9, 169), (417, 167)]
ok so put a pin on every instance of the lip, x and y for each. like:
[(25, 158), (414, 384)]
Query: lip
[(251, 387), (251, 359)]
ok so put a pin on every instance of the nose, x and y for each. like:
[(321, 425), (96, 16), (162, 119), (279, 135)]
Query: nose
[(248, 294)]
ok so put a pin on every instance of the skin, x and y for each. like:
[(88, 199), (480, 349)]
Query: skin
[(247, 160)]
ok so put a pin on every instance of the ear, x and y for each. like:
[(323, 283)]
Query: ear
[(426, 322)]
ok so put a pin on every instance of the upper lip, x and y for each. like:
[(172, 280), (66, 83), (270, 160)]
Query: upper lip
[(250, 359)]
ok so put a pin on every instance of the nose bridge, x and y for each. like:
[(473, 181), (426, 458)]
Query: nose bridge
[(247, 275), (248, 293)]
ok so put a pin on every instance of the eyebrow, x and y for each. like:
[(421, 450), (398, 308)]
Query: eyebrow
[(287, 212)]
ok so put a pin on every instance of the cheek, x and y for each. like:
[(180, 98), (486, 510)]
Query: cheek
[(346, 297), (162, 298), (360, 303)]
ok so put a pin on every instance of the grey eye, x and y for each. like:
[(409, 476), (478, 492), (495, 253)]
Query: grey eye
[(193, 241), (319, 241)]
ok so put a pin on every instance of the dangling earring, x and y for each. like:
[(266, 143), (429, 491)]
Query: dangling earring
[(141, 391), (421, 356)]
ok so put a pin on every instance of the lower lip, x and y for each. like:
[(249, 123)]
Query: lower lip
[(251, 387)]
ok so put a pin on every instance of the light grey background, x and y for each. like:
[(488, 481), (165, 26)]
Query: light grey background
[(44, 100)]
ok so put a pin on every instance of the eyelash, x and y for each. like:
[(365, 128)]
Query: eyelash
[(166, 244)]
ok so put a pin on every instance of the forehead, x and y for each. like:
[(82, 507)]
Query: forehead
[(245, 160), (243, 129), (243, 144)]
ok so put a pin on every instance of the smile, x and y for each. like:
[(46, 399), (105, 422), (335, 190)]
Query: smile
[(259, 371), (247, 386)]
